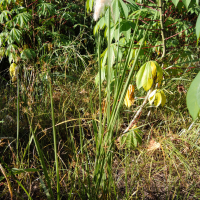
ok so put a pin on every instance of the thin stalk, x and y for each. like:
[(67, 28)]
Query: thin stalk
[(161, 8), (17, 143), (41, 156), (114, 116), (117, 74), (100, 108), (123, 74), (109, 70), (55, 143)]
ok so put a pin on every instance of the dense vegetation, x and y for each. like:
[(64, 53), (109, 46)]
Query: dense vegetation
[(99, 106)]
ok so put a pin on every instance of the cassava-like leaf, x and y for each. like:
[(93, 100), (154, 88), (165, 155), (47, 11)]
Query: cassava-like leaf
[(45, 9), (16, 35), (22, 19), (4, 16)]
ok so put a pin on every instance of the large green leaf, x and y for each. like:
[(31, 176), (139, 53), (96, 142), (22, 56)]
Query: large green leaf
[(193, 97)]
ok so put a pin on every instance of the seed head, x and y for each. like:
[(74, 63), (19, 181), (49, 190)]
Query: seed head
[(99, 7)]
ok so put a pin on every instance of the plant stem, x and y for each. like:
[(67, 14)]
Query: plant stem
[(109, 70), (17, 143), (161, 8), (55, 143), (139, 111)]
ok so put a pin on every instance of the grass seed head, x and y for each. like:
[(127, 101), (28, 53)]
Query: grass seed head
[(99, 7)]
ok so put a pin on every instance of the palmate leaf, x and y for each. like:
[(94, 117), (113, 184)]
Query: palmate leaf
[(147, 74), (130, 139), (11, 49), (4, 16), (16, 35), (22, 19), (45, 9), (3, 38)]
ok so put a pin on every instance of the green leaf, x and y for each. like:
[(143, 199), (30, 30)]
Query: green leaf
[(18, 171), (22, 19), (198, 27), (115, 10), (46, 9), (16, 35), (28, 54), (131, 138), (124, 9), (147, 79), (139, 76), (125, 28), (4, 16), (175, 2), (193, 97), (186, 3), (103, 75)]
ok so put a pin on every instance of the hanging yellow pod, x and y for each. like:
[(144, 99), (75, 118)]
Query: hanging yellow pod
[(129, 98)]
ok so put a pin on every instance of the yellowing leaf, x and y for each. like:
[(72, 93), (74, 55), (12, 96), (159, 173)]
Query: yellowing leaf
[(25, 46), (147, 79), (163, 98), (158, 99), (129, 98), (153, 69), (147, 85), (12, 69), (152, 97)]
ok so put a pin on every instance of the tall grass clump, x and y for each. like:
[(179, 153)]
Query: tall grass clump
[(104, 157)]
